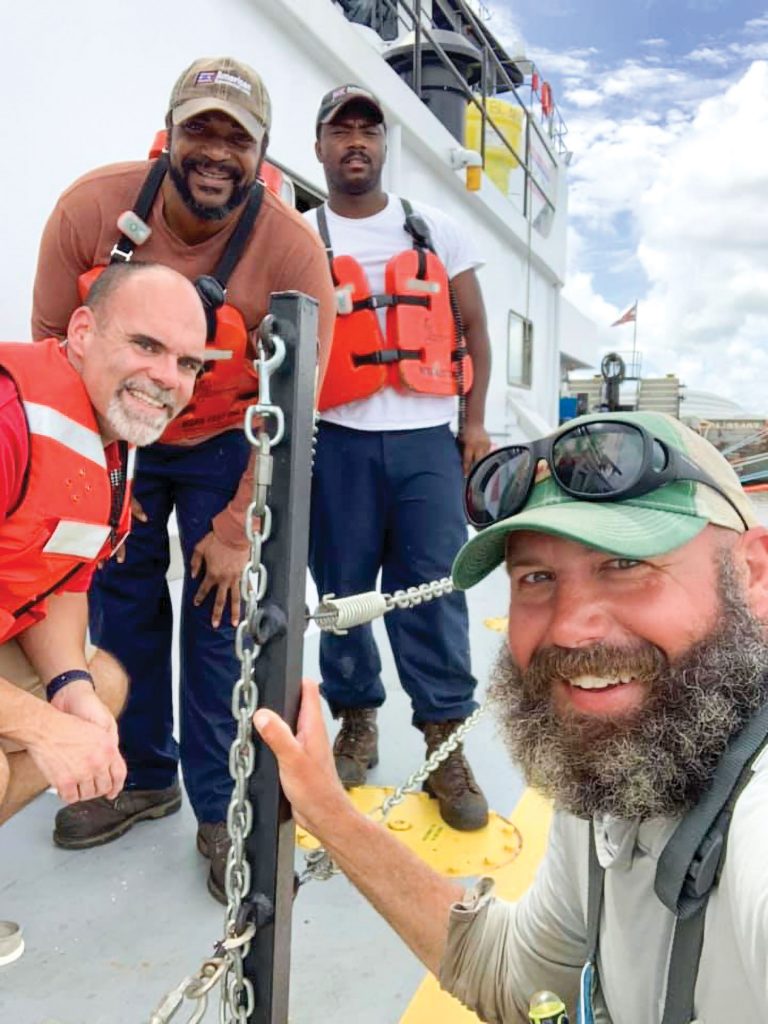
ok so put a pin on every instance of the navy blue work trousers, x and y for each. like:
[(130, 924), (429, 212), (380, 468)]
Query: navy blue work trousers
[(392, 500), (131, 617)]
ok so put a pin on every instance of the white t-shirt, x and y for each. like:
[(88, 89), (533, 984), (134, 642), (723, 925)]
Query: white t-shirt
[(373, 241)]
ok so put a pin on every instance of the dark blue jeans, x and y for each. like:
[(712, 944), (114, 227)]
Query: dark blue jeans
[(391, 500), (131, 617)]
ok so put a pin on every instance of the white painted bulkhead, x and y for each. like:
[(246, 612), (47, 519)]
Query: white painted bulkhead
[(89, 83)]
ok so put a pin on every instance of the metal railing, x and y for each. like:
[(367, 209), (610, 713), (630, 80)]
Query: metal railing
[(551, 141)]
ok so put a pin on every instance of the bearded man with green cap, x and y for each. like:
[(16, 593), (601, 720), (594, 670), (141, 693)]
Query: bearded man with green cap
[(632, 691)]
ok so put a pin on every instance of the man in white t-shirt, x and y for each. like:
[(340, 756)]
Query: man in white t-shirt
[(388, 471)]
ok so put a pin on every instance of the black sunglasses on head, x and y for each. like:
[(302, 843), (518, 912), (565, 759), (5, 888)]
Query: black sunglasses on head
[(606, 460)]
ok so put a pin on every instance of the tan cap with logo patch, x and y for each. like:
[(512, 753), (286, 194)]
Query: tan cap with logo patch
[(225, 84)]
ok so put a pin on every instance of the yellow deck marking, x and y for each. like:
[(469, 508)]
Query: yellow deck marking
[(417, 823), (497, 625), (509, 850), (531, 818)]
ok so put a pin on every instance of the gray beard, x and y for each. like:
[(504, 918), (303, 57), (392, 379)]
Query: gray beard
[(660, 759)]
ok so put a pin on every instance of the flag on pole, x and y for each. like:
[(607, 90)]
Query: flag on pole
[(628, 317)]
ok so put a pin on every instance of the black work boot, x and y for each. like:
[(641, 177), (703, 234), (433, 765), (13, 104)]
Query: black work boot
[(94, 822), (461, 801), (213, 842), (355, 749)]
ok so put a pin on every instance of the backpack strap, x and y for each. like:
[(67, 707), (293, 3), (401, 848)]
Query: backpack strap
[(122, 250), (689, 868), (692, 861)]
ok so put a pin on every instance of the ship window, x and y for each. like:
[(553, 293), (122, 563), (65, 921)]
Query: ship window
[(519, 350)]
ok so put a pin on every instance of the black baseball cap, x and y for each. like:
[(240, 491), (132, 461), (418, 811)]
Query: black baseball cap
[(335, 101)]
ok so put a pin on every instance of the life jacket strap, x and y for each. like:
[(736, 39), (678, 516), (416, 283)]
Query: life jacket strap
[(382, 301), (384, 356), (122, 250)]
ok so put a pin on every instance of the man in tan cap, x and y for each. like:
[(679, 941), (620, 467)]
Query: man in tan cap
[(189, 203)]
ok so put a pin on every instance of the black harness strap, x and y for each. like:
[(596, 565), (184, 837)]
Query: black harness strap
[(322, 230), (596, 876), (382, 301), (419, 231), (239, 236), (692, 861), (384, 356), (122, 250), (689, 867)]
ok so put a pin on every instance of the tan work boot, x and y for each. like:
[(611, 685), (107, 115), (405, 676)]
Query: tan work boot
[(355, 749), (93, 822), (461, 801)]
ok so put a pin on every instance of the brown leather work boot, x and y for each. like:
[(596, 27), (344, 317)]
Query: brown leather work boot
[(461, 801), (94, 822), (356, 749), (213, 842)]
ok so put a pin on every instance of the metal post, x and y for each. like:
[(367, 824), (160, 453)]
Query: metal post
[(278, 669), (417, 48)]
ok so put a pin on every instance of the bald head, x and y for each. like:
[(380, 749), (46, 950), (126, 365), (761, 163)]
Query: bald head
[(138, 343)]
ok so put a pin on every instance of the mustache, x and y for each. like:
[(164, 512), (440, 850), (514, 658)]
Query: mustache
[(356, 155), (201, 164), (153, 391), (643, 661)]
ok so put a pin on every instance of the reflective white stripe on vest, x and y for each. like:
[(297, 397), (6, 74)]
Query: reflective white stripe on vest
[(48, 422), (79, 540), (130, 468)]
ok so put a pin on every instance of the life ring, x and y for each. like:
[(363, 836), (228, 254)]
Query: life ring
[(547, 103)]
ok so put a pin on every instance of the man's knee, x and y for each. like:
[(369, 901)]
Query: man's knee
[(5, 778), (110, 680)]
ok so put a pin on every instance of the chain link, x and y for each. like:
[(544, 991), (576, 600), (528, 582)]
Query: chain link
[(237, 994), (226, 967), (414, 596), (318, 864)]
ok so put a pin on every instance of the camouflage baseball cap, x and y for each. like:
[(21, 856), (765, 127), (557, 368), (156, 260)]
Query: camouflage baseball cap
[(641, 527), (225, 84)]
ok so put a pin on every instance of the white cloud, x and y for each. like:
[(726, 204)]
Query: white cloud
[(702, 229), (667, 200), (709, 55)]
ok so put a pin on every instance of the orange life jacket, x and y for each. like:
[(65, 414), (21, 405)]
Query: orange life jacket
[(423, 350), (228, 383), (68, 515)]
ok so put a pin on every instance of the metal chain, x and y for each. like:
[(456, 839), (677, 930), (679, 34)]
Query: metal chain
[(318, 864), (237, 994), (414, 596), (226, 966)]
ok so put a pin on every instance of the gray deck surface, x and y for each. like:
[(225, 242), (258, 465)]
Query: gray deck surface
[(110, 930)]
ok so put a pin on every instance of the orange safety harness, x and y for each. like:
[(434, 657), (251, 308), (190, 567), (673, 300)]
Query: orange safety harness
[(228, 383), (423, 350)]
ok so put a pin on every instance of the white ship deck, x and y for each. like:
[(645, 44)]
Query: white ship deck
[(108, 931)]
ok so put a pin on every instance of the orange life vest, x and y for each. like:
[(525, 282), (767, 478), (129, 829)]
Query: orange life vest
[(423, 350), (228, 383), (66, 516)]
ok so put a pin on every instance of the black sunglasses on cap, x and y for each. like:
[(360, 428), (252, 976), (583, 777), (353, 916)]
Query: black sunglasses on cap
[(606, 460)]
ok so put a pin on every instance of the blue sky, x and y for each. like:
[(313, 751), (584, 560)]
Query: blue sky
[(666, 103)]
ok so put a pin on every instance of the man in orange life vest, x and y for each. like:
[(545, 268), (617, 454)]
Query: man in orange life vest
[(388, 474), (68, 413), (212, 221)]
